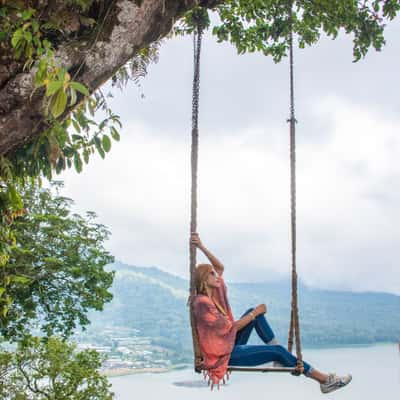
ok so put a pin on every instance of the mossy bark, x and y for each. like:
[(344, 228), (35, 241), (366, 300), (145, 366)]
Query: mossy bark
[(129, 27)]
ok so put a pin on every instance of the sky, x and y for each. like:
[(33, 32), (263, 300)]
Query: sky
[(348, 186)]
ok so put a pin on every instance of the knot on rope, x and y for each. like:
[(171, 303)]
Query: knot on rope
[(299, 369), (198, 19)]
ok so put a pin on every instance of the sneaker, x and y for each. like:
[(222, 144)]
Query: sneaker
[(335, 382)]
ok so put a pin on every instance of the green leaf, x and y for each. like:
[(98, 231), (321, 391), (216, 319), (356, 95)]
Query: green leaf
[(114, 134), (20, 279), (27, 14), (76, 126), (106, 143), (76, 137), (86, 156), (4, 311), (46, 44), (58, 103), (78, 162), (98, 145), (17, 37), (15, 197), (91, 104), (35, 26), (73, 97), (53, 87), (80, 88), (61, 74), (60, 164), (28, 36)]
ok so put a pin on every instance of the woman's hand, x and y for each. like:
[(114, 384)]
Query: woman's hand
[(195, 240), (260, 309)]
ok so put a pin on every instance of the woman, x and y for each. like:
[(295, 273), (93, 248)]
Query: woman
[(223, 341)]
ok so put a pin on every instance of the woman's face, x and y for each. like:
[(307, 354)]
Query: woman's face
[(213, 279)]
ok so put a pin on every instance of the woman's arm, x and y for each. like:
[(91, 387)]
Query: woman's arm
[(219, 267), (242, 322)]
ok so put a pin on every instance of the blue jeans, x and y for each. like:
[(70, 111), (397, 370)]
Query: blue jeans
[(244, 354)]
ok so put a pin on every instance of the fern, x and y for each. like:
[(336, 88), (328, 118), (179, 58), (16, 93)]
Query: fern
[(6, 169), (136, 68)]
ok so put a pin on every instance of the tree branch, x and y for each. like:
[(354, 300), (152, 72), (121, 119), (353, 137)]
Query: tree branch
[(129, 28)]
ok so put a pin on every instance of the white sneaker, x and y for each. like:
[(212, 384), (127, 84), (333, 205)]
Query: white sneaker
[(335, 382)]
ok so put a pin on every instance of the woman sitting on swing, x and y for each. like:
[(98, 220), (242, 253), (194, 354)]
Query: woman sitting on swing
[(223, 341)]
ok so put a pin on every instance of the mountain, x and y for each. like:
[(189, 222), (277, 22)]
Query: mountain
[(151, 303)]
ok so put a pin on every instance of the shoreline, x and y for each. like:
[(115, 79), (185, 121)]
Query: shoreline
[(118, 372), (114, 373), (347, 346)]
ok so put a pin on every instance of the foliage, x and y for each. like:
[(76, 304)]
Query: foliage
[(55, 272), (197, 18), (34, 35), (263, 25), (56, 149), (29, 36), (136, 68), (52, 369)]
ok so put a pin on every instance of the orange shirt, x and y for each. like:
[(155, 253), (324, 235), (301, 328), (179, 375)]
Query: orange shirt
[(216, 331)]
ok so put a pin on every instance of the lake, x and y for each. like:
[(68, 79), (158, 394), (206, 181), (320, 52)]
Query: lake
[(375, 370)]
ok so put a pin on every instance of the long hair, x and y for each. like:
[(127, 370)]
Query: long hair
[(200, 277)]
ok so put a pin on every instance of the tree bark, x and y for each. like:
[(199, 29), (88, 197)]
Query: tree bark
[(129, 28)]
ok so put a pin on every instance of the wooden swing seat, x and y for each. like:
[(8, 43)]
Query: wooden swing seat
[(262, 369)]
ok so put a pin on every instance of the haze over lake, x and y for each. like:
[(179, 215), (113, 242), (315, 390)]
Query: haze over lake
[(375, 370)]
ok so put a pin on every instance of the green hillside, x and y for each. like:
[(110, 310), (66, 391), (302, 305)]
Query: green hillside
[(150, 303)]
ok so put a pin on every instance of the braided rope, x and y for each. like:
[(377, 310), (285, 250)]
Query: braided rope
[(294, 329), (193, 209)]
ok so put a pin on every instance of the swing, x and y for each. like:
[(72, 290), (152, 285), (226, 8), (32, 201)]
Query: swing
[(294, 328)]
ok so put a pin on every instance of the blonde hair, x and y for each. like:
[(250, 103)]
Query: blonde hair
[(200, 277)]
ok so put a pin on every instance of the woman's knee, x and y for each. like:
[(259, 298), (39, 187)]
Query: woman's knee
[(247, 312)]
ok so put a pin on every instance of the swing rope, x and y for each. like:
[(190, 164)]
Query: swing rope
[(294, 329), (197, 36)]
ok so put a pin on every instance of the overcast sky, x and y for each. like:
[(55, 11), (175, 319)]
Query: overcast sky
[(348, 168)]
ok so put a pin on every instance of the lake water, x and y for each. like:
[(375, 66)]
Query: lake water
[(375, 370)]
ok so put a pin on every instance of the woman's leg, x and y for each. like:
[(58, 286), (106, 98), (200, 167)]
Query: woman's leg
[(264, 330), (261, 326), (248, 355), (252, 355)]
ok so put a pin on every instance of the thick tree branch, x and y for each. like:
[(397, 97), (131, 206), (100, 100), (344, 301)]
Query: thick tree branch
[(128, 29)]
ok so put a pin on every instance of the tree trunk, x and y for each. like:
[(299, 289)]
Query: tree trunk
[(128, 28)]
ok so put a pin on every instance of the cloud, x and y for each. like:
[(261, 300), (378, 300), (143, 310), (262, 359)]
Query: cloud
[(346, 234), (347, 170)]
